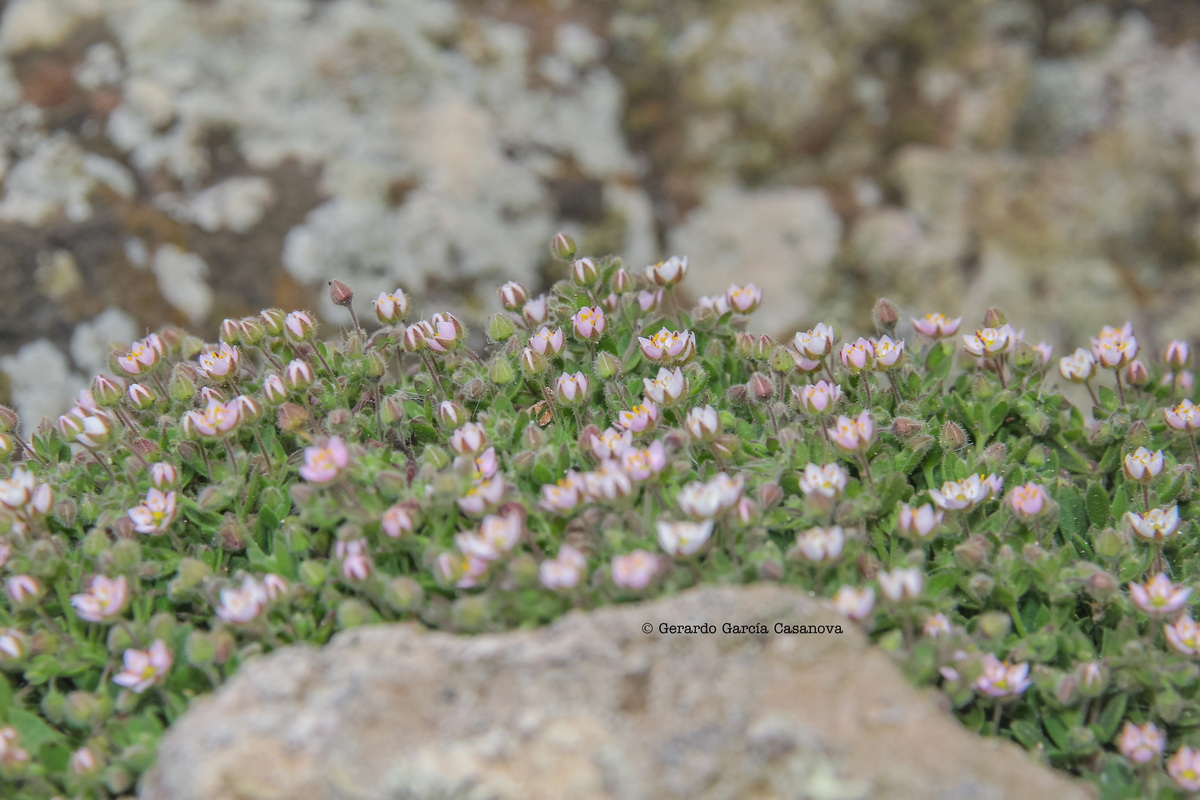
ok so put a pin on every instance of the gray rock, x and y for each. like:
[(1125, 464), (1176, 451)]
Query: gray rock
[(590, 707)]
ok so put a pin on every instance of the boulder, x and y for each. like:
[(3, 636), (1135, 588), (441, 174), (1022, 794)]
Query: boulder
[(592, 706)]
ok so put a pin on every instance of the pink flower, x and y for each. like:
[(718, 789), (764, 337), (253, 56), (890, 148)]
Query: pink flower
[(1178, 355), (548, 342), (853, 602), (325, 464), (683, 538), (513, 296), (1044, 350), (1028, 501), (391, 308), (297, 375), (534, 312), (23, 589), (702, 423), (901, 584), (634, 571), (649, 299), (9, 751), (936, 326), (888, 352), (84, 763), (565, 495), (669, 272), (608, 482), (1156, 524), (502, 532), (143, 355), (1184, 768), (563, 572), (639, 419), (1001, 679), (964, 495), (486, 464), (1183, 635), (743, 299), (1143, 466), (589, 323), (1158, 596), (572, 389), (442, 332), (1077, 368), (154, 514), (468, 440), (220, 363), (707, 500), (244, 604), (90, 428), (104, 599), (858, 355), (144, 668), (815, 344), (642, 464), (821, 545), (274, 587), (669, 347), (611, 443), (668, 388), (936, 626), (817, 398), (1115, 348), (853, 435), (828, 481), (163, 475), (482, 496), (299, 326), (460, 570), (990, 342), (398, 520), (1141, 744), (214, 422), (356, 564), (1184, 417), (921, 522)]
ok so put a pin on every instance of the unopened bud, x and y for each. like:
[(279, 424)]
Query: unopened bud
[(761, 346), (183, 386), (532, 437), (622, 281), (885, 315), (1138, 434), (292, 417), (352, 613), (782, 359), (105, 391), (340, 293), (191, 573), (994, 318), (1136, 374), (743, 344), (232, 535), (403, 595), (607, 366), (532, 362), (85, 710), (126, 555), (995, 625), (953, 436), (971, 553), (199, 650), (96, 543), (501, 328), (562, 246), (313, 574), (230, 331), (760, 388), (1102, 585), (500, 371), (393, 408), (906, 427), (8, 419), (250, 331), (769, 494), (584, 271), (980, 585), (469, 614)]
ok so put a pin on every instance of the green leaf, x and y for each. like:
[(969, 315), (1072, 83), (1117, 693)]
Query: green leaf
[(1111, 718), (1059, 732), (1120, 502), (1098, 505), (938, 362), (1108, 398), (1072, 516), (996, 416), (1028, 733), (32, 731)]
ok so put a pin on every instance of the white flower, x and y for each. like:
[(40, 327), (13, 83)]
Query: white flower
[(683, 538)]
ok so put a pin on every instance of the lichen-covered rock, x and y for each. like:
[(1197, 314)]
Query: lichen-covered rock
[(590, 707)]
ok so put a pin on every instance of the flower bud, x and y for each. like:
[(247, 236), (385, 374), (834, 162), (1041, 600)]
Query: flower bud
[(86, 710), (141, 397), (971, 553), (500, 371), (994, 318), (584, 272), (313, 573), (622, 282), (340, 293), (532, 362), (760, 388), (403, 595), (8, 419), (995, 625), (513, 296), (182, 387), (501, 328), (607, 366), (953, 436), (292, 417), (470, 614), (450, 414), (191, 573), (105, 391), (1178, 355), (980, 586), (96, 543), (299, 326), (1136, 374), (352, 613), (562, 246), (885, 315), (199, 650)]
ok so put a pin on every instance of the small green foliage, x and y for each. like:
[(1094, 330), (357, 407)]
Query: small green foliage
[(1029, 556)]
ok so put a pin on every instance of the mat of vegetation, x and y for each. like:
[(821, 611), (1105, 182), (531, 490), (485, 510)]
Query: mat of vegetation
[(205, 503)]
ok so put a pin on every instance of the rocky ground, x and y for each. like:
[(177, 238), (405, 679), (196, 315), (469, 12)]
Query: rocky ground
[(187, 160), (592, 707)]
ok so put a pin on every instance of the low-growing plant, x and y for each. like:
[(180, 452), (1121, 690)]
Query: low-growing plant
[(207, 503)]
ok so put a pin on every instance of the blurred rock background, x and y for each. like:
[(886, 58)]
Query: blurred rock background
[(182, 161)]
